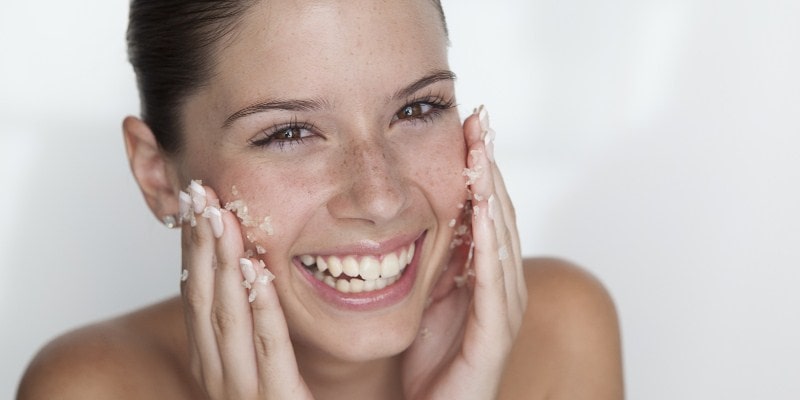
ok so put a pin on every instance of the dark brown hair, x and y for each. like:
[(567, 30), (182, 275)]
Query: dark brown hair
[(171, 45)]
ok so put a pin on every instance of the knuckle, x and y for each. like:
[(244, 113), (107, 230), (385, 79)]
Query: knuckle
[(222, 320), (264, 345), (195, 301)]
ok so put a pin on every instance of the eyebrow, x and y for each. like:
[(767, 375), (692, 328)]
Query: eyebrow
[(317, 104), (287, 105), (433, 77)]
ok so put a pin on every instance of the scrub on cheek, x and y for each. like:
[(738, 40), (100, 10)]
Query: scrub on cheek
[(239, 207), (473, 174)]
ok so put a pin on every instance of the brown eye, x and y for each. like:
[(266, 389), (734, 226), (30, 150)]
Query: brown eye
[(291, 133), (415, 110)]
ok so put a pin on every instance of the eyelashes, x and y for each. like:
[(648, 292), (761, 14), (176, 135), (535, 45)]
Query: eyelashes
[(424, 109), (292, 133)]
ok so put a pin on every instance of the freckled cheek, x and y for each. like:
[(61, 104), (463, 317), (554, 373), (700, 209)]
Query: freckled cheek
[(281, 198), (438, 167)]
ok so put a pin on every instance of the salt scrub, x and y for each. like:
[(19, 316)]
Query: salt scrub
[(462, 230), (266, 277), (252, 296), (239, 207), (184, 275), (475, 154), (492, 207), (266, 226), (452, 223), (473, 174), (260, 250), (242, 212), (234, 191), (502, 253)]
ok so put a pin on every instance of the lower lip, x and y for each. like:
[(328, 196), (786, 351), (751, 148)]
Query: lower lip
[(373, 300)]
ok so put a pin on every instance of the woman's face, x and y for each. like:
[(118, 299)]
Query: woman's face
[(335, 120)]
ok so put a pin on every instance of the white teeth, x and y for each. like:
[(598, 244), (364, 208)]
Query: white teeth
[(334, 266), (307, 260), (390, 266), (343, 285), (356, 286), (350, 266), (403, 258), (365, 275), (321, 264), (370, 268), (380, 283)]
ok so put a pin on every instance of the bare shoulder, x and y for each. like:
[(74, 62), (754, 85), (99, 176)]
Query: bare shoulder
[(569, 344), (128, 357)]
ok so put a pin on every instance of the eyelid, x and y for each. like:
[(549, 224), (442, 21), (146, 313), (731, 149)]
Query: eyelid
[(268, 137), (437, 102)]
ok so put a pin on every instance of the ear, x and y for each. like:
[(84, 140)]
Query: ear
[(153, 171)]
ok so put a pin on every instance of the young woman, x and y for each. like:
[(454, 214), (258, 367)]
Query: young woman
[(344, 235)]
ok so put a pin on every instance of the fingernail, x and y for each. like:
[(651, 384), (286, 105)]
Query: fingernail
[(184, 205), (248, 272), (215, 217), (488, 142), (198, 196), (492, 205), (483, 117)]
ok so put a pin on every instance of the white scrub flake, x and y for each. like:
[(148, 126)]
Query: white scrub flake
[(473, 174), (502, 253)]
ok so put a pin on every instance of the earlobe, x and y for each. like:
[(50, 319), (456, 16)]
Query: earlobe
[(150, 166)]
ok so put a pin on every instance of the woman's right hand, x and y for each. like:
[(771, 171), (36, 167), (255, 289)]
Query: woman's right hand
[(238, 349)]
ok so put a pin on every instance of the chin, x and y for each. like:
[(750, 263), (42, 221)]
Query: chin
[(362, 339)]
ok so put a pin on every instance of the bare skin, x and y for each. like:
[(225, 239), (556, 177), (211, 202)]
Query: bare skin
[(373, 162), (568, 348)]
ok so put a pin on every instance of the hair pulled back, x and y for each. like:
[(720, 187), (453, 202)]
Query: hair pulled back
[(171, 45)]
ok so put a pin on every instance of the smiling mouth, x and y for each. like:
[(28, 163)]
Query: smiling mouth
[(358, 273)]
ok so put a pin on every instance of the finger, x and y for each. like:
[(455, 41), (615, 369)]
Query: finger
[(197, 289), (503, 206), (501, 203), (278, 374), (230, 313), (490, 283), (484, 193)]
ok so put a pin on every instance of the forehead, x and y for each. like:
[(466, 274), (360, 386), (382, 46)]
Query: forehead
[(339, 49)]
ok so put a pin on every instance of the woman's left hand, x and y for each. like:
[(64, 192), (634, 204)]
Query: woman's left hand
[(466, 335)]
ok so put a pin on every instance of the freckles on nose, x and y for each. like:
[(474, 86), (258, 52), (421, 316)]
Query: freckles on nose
[(372, 186)]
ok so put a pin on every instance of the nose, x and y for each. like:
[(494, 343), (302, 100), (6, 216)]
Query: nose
[(371, 183)]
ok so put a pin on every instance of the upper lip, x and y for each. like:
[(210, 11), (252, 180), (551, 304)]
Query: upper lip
[(368, 246)]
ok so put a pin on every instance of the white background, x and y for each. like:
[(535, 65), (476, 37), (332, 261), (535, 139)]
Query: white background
[(654, 142)]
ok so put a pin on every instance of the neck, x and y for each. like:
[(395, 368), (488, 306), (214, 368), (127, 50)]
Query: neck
[(332, 378)]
